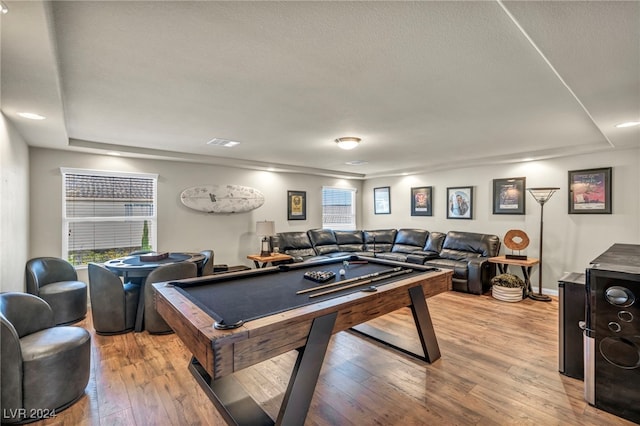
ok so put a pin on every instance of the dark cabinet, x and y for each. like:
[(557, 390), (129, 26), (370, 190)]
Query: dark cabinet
[(612, 381), (572, 301)]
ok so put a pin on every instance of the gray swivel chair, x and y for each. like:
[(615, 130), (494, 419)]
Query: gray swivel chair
[(55, 280), (113, 304), (44, 368), (153, 322), (207, 263)]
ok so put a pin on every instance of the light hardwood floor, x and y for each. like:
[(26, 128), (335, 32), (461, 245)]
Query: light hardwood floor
[(499, 366)]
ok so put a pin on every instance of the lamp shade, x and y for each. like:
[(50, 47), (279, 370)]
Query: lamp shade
[(265, 228), (542, 195)]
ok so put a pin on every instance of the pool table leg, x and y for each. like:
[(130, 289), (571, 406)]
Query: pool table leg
[(306, 371), (424, 326), (238, 408), (231, 400)]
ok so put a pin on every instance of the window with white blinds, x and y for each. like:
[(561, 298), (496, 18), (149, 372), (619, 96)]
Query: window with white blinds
[(338, 208), (107, 215)]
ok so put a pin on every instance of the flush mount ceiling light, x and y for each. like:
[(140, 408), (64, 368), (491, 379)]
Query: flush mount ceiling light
[(31, 116), (348, 142), (628, 124)]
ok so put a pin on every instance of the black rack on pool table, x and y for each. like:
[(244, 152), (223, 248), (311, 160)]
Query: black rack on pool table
[(266, 317)]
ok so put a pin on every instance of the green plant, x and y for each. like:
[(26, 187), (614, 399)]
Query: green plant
[(507, 280), (145, 237)]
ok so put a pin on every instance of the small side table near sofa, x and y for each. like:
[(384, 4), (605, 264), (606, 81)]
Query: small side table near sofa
[(526, 265), (263, 261)]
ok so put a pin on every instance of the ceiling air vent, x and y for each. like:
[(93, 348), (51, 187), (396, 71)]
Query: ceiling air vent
[(222, 142)]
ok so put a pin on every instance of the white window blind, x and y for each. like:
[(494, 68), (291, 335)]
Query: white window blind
[(107, 215), (338, 208)]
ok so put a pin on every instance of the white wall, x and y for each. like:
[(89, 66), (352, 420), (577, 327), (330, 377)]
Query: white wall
[(570, 241), (231, 236), (14, 207)]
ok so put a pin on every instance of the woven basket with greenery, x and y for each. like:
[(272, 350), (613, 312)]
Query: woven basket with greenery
[(507, 287), (507, 280)]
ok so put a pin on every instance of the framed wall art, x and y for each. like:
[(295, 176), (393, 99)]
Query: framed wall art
[(421, 201), (590, 191), (460, 202), (296, 205), (382, 200), (508, 196)]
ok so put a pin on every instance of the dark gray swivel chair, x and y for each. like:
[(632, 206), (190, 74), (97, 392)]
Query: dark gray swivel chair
[(207, 263), (44, 368), (113, 304), (55, 280), (153, 322)]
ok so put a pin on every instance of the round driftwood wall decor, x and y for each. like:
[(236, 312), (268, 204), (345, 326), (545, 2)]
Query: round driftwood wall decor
[(515, 239)]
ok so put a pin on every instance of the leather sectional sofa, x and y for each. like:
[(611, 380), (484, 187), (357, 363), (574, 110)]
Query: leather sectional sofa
[(466, 253)]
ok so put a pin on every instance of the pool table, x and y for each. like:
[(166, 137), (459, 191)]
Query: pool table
[(232, 321)]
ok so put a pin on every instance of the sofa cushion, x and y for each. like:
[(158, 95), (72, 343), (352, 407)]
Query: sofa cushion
[(457, 255), (463, 245), (435, 241), (349, 240), (409, 240), (323, 241), (296, 244), (379, 240)]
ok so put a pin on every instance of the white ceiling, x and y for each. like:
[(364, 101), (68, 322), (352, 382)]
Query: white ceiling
[(426, 85)]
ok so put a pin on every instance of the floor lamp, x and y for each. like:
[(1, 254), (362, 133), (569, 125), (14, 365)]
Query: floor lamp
[(541, 195)]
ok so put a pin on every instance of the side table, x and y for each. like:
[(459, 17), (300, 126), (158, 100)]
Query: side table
[(263, 261), (525, 264)]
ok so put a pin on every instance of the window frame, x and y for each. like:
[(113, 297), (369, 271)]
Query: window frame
[(347, 227), (66, 221)]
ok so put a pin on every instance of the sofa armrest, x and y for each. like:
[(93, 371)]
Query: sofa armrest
[(480, 274)]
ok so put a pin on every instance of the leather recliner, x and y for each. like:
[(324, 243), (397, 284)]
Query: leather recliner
[(295, 244), (44, 368), (55, 280), (431, 249), (379, 240), (406, 242), (467, 253), (323, 241), (350, 241)]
